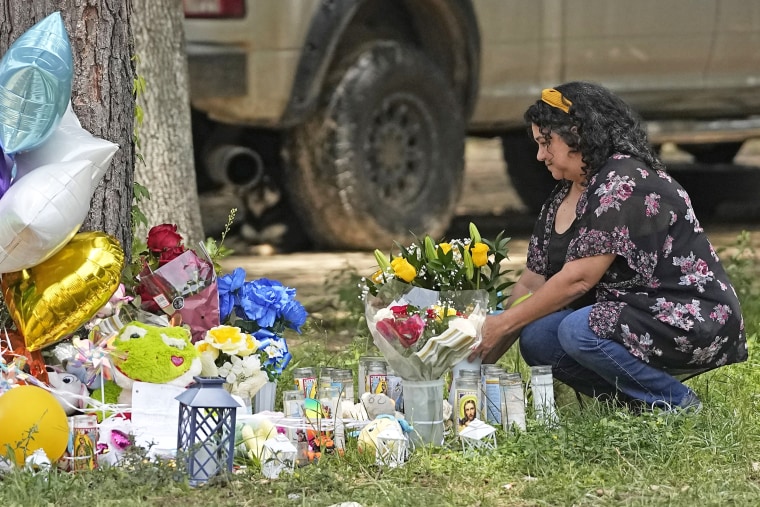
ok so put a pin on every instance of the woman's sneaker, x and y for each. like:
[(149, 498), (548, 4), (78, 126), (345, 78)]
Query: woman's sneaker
[(690, 404)]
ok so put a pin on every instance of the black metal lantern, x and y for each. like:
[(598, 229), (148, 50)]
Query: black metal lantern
[(206, 430)]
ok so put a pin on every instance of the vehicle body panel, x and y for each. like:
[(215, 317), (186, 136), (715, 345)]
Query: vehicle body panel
[(271, 37), (680, 59)]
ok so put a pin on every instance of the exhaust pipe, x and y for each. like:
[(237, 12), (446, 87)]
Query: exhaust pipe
[(234, 165)]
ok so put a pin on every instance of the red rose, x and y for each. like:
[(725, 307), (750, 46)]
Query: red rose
[(400, 310), (163, 237), (147, 302), (169, 254), (406, 331), (410, 330)]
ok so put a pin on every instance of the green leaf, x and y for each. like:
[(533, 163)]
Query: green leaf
[(382, 261), (474, 233), (140, 192), (468, 265), (430, 252), (138, 217)]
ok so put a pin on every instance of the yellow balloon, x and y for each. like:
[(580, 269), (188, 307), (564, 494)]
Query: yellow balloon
[(54, 298), (31, 418)]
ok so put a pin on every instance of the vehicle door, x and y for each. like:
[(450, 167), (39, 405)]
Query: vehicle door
[(519, 52), (734, 65), (651, 52)]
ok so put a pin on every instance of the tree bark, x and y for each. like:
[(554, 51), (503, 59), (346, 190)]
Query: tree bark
[(165, 139), (102, 46)]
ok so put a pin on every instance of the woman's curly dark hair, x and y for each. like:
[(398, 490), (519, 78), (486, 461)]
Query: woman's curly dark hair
[(598, 125)]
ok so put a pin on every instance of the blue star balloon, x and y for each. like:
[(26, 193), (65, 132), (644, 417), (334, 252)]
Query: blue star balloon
[(35, 84)]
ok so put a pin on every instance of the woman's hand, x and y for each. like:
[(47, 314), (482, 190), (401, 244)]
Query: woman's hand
[(495, 341)]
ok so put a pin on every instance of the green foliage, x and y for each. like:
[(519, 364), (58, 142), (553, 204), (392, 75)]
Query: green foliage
[(740, 262), (140, 193), (598, 454), (496, 280), (458, 264), (138, 89), (138, 217), (217, 251)]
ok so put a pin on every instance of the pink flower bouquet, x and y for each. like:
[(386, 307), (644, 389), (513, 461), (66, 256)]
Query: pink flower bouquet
[(174, 279), (422, 332), (426, 304)]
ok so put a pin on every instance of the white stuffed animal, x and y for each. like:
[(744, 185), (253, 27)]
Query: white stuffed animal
[(70, 392)]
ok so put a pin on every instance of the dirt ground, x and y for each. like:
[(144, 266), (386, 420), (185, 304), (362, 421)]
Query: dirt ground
[(487, 200)]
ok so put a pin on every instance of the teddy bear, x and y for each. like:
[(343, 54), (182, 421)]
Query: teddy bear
[(147, 353), (367, 441)]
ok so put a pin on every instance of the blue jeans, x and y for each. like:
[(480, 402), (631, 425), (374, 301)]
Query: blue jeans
[(595, 366)]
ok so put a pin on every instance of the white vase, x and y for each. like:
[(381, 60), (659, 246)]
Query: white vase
[(423, 409), (264, 399)]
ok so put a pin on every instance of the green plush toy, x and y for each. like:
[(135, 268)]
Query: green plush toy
[(160, 355)]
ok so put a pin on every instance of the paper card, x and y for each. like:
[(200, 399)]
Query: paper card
[(155, 415)]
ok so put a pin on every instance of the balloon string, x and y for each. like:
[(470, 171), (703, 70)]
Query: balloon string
[(100, 405), (8, 340), (102, 395)]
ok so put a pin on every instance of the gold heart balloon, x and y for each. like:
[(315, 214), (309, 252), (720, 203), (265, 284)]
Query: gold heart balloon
[(57, 296)]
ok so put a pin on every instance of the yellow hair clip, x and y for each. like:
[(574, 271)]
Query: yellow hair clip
[(555, 99)]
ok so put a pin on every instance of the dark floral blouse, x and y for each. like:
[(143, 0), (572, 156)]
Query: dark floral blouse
[(666, 296)]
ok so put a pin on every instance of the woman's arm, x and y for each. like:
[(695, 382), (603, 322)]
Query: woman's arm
[(528, 283), (575, 279)]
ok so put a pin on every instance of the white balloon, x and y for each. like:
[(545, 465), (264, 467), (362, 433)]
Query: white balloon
[(50, 196), (43, 210), (68, 142)]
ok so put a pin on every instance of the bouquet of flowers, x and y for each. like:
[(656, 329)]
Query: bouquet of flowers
[(473, 263), (226, 351), (423, 332), (249, 349), (174, 279), (425, 306)]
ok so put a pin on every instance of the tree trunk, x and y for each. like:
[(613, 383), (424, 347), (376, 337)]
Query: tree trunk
[(165, 140), (101, 43)]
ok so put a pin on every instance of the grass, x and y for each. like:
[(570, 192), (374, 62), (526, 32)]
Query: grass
[(598, 455)]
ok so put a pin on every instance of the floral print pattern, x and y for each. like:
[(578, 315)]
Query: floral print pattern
[(666, 297), (640, 346), (695, 271), (615, 191)]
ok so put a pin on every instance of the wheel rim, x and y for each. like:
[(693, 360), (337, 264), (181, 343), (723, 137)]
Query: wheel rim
[(396, 147)]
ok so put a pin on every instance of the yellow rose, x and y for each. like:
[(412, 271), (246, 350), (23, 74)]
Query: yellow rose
[(479, 252), (445, 247), (441, 312), (205, 347), (228, 339), (378, 277), (250, 345), (403, 269)]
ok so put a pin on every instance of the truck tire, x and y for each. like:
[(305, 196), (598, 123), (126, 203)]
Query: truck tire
[(529, 177), (383, 156)]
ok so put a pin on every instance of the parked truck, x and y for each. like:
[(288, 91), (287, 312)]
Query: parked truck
[(358, 110)]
